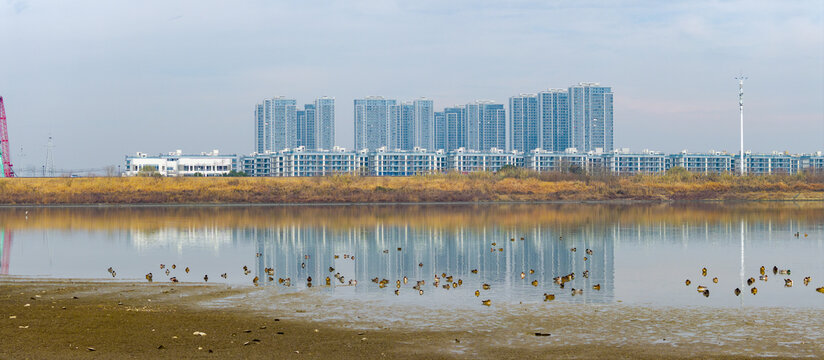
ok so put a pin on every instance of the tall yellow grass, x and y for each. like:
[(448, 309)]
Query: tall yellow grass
[(517, 186)]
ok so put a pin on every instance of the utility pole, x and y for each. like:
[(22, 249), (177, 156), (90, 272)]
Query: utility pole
[(741, 79)]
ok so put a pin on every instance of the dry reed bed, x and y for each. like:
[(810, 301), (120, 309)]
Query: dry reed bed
[(431, 188)]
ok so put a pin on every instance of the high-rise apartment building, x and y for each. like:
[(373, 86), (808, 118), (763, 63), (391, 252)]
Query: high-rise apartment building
[(440, 131), (275, 124), (553, 114), (325, 122), (590, 116), (455, 128), (424, 126), (372, 122), (306, 127), (486, 125), (524, 122), (402, 124)]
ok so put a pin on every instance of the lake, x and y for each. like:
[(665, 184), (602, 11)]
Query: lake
[(641, 254)]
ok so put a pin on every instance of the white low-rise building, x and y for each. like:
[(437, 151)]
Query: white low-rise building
[(177, 164)]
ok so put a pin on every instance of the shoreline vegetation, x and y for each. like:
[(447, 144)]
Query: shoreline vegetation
[(507, 185)]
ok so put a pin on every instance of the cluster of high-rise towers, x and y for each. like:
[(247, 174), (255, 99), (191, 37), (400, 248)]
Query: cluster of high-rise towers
[(579, 117)]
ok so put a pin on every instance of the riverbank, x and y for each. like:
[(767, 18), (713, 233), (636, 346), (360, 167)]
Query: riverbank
[(68, 319), (476, 187)]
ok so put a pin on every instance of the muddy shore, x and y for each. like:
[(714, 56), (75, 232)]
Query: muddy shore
[(84, 319)]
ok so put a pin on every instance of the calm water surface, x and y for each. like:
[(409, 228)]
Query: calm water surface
[(641, 254)]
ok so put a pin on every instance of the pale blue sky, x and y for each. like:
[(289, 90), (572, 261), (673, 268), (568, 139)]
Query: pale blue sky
[(110, 78)]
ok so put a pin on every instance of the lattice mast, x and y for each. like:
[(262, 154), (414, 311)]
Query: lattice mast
[(4, 142)]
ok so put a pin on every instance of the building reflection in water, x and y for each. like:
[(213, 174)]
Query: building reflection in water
[(454, 251), (5, 251)]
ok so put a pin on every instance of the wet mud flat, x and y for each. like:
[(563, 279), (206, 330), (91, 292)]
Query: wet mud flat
[(89, 319)]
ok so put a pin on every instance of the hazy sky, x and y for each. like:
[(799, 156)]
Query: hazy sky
[(109, 78)]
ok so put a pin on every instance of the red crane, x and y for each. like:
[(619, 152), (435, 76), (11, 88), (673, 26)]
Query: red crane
[(4, 142)]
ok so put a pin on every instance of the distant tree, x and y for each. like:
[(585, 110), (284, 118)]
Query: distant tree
[(233, 173)]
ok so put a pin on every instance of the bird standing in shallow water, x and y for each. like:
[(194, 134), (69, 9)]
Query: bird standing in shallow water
[(206, 278), (149, 277)]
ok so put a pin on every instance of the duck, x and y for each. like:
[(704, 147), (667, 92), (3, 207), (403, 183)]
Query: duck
[(386, 251), (531, 271), (523, 275), (449, 279), (397, 292), (763, 270), (596, 287), (806, 281), (557, 280), (271, 272), (405, 280), (586, 273), (549, 297), (187, 270), (750, 281), (754, 291), (688, 282), (589, 251), (474, 271), (149, 277), (485, 286), (494, 244), (821, 289), (737, 291), (715, 280), (224, 275), (500, 249), (763, 277), (309, 279), (420, 292), (162, 266), (522, 239), (398, 283), (446, 286), (174, 266), (331, 269), (577, 291), (271, 279), (399, 249), (775, 270), (206, 278), (337, 256), (460, 282), (706, 293), (784, 272), (328, 281), (586, 258), (255, 280), (704, 272), (454, 285), (534, 282), (420, 264), (487, 302), (173, 279), (167, 272), (375, 280), (512, 239), (701, 288), (573, 249), (303, 265), (477, 293), (788, 283)]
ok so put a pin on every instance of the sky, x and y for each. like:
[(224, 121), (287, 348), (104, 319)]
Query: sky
[(107, 79)]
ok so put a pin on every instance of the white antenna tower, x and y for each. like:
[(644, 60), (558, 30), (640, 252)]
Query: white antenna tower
[(741, 79), (49, 167)]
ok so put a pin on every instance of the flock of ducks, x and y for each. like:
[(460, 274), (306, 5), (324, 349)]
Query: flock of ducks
[(762, 277), (442, 280)]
